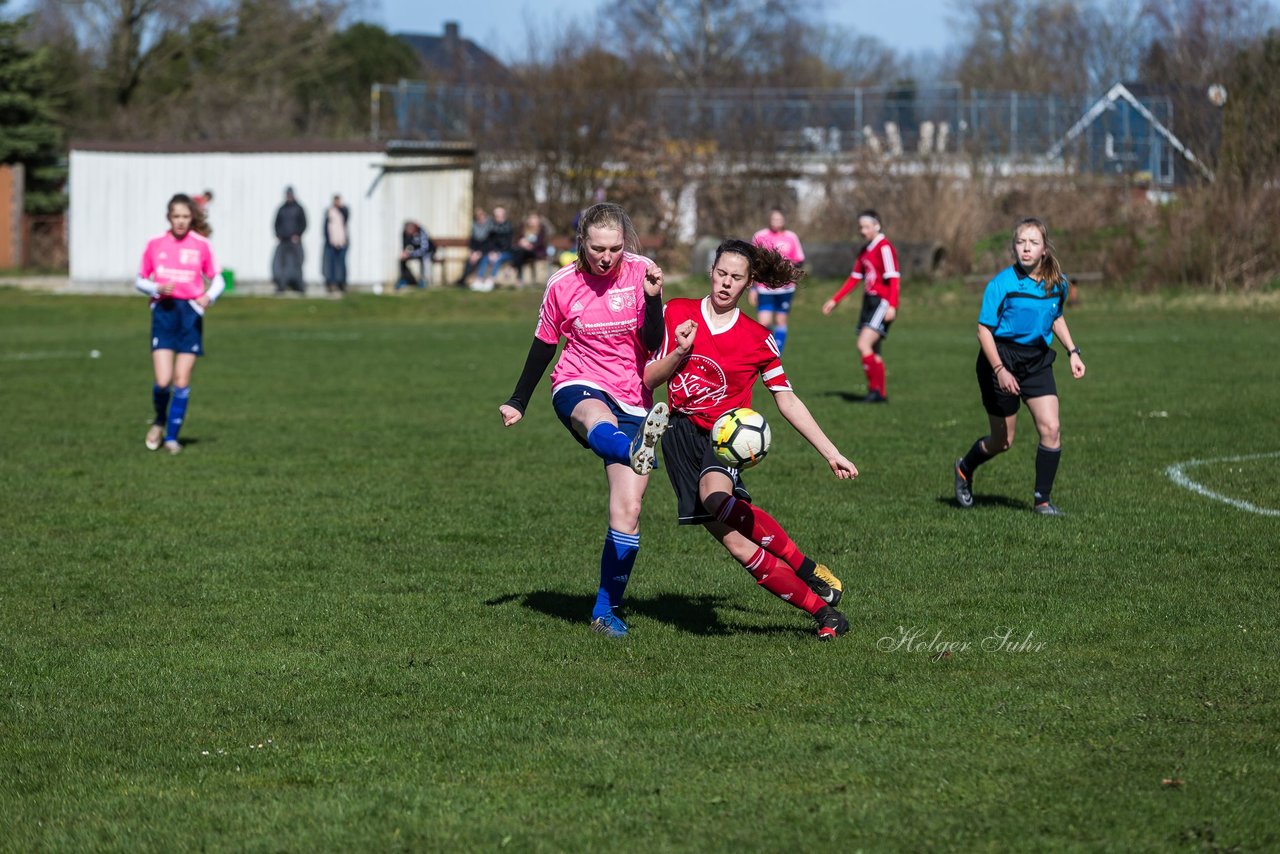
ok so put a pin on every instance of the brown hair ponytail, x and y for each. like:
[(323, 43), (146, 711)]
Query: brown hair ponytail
[(766, 265)]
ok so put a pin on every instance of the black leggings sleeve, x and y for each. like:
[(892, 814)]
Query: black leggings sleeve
[(535, 365), (652, 333)]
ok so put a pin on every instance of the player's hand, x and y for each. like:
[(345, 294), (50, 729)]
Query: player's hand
[(830, 306), (1077, 366), (1008, 383), (510, 415), (165, 290), (753, 298), (653, 280), (684, 337), (842, 467), (889, 314), (203, 301)]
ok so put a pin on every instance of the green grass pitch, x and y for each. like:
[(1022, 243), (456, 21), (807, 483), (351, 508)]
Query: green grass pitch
[(352, 615)]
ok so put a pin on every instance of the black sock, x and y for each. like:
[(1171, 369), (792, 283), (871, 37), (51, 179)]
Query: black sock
[(1046, 471), (807, 566), (977, 456)]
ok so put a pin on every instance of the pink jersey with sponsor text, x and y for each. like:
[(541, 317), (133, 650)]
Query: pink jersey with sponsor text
[(786, 244), (184, 263), (600, 319)]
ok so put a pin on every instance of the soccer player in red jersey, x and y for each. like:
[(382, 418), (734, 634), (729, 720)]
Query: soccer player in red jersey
[(710, 358), (877, 269)]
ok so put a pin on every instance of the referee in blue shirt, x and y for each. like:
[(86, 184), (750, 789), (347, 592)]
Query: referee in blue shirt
[(1021, 312)]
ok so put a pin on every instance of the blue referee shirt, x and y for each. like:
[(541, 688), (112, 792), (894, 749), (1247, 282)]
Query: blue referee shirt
[(1016, 306)]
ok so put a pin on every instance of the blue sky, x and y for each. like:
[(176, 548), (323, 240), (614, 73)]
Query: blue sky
[(504, 26)]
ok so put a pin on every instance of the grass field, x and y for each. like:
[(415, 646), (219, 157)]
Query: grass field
[(352, 615)]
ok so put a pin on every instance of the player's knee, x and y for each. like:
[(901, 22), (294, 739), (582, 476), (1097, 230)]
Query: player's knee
[(713, 501), (998, 444), (1050, 434)]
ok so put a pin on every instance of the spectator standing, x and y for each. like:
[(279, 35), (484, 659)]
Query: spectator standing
[(497, 251), (476, 244), (286, 267), (336, 240), (531, 246), (415, 245)]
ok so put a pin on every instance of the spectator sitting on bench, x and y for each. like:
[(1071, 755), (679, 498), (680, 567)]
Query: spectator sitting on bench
[(416, 245), (531, 247), (476, 244), (497, 251)]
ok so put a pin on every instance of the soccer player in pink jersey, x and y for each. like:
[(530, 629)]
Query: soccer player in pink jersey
[(608, 308), (877, 270), (710, 358), (773, 302), (175, 269)]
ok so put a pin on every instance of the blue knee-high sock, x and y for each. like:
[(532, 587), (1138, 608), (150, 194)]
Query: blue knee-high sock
[(160, 399), (177, 412), (616, 560), (609, 443), (780, 335)]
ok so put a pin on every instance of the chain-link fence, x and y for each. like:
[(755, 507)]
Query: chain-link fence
[(888, 122)]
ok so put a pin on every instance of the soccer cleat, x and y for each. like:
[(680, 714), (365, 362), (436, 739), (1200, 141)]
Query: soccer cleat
[(644, 450), (825, 585), (610, 625), (173, 447), (1044, 508), (155, 437), (874, 396), (964, 485), (831, 623)]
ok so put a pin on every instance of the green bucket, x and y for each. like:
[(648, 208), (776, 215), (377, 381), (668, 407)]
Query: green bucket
[(229, 278)]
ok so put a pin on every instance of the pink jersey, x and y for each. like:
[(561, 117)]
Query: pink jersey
[(184, 263), (788, 246), (601, 319)]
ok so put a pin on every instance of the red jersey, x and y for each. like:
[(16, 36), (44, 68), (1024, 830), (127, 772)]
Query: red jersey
[(721, 369), (877, 268)]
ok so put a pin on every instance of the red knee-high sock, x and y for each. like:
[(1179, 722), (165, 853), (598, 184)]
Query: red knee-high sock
[(781, 580), (877, 374), (869, 368), (762, 529)]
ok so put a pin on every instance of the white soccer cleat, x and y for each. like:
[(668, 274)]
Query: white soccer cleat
[(155, 437), (644, 450), (173, 447)]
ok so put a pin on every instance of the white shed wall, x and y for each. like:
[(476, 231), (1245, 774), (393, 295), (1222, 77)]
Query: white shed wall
[(117, 203)]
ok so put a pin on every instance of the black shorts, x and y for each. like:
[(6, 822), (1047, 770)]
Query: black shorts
[(686, 449), (1031, 366), (872, 317)]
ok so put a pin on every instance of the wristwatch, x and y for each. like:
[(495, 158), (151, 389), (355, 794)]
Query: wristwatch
[(1075, 350)]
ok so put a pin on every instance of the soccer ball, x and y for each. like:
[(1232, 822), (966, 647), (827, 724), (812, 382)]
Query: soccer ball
[(741, 438)]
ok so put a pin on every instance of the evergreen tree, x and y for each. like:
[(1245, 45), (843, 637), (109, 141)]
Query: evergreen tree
[(29, 133)]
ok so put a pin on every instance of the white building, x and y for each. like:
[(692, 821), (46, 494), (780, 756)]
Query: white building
[(118, 193)]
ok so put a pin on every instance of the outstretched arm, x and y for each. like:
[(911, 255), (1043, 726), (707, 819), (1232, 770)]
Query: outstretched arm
[(794, 410), (535, 365)]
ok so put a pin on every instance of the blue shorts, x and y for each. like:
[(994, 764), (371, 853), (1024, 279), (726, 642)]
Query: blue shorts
[(564, 400), (777, 303), (176, 325)]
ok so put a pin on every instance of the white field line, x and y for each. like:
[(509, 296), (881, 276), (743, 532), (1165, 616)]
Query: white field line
[(1178, 475)]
